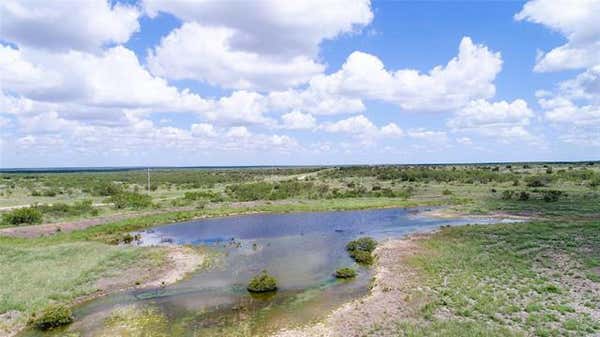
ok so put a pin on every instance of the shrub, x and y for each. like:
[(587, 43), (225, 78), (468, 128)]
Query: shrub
[(130, 199), (507, 194), (106, 189), (345, 273), (366, 244), (523, 196), (262, 282), (446, 192), (536, 183), (552, 196), (53, 316), (27, 215), (360, 249), (361, 256), (61, 209)]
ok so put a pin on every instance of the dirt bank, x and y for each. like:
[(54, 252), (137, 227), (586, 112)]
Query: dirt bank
[(389, 297)]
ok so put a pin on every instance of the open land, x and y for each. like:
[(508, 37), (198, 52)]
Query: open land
[(65, 237)]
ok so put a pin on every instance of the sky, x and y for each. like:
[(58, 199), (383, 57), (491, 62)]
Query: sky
[(204, 83)]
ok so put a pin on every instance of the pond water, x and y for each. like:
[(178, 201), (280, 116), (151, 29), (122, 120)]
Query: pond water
[(302, 250)]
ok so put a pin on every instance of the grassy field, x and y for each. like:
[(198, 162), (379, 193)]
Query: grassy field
[(501, 280), (536, 278)]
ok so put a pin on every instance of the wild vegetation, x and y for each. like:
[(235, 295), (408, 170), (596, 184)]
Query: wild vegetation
[(345, 273), (516, 279), (262, 283), (361, 250)]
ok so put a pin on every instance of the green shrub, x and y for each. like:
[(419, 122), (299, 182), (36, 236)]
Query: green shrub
[(262, 282), (362, 257), (27, 215), (106, 189), (61, 209), (552, 196), (536, 182), (446, 192), (523, 196), (366, 244), (345, 273), (53, 316), (507, 194), (131, 200), (361, 249)]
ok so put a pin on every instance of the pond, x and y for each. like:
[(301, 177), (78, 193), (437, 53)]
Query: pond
[(302, 250)]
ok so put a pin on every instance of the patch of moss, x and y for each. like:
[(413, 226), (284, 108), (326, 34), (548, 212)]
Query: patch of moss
[(262, 282), (345, 273)]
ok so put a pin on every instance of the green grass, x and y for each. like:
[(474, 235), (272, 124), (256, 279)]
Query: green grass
[(34, 273), (498, 274)]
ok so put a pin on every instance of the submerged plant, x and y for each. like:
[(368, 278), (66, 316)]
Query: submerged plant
[(262, 282), (345, 273)]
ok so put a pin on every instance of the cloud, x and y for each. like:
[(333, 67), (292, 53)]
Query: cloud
[(362, 127), (203, 130), (391, 130), (468, 76), (481, 114), (505, 121), (204, 54), (65, 25), (272, 27), (262, 45), (575, 101), (296, 120), (577, 21), (315, 101)]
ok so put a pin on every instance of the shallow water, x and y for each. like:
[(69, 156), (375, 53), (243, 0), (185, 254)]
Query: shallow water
[(301, 250)]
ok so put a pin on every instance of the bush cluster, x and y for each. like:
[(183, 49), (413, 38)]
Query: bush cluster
[(19, 216), (345, 273), (53, 316), (262, 283), (61, 209), (361, 249), (130, 200)]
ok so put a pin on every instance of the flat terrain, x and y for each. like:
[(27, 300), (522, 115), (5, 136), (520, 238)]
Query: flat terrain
[(64, 237)]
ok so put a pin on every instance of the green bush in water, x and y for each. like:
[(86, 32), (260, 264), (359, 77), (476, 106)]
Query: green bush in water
[(27, 215), (360, 249), (366, 244), (262, 283), (361, 256), (53, 316), (345, 273)]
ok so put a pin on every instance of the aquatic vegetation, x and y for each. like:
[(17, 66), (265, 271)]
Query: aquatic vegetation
[(53, 316), (361, 249), (134, 321), (345, 273), (262, 282), (362, 257), (366, 244)]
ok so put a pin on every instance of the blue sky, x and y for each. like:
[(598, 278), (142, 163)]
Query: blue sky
[(231, 83)]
